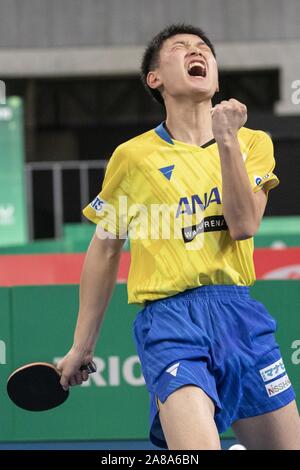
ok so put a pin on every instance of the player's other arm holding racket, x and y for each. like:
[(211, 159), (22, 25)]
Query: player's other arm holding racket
[(96, 285)]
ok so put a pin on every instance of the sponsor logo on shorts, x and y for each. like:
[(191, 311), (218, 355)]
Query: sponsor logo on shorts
[(97, 204), (278, 386), (272, 371)]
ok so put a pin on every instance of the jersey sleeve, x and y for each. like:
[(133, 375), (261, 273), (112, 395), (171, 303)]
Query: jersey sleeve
[(260, 163), (109, 208)]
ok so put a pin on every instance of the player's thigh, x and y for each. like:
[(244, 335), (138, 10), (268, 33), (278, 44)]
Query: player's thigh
[(277, 430), (187, 419)]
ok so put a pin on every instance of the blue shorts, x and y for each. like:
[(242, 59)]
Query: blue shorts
[(217, 338)]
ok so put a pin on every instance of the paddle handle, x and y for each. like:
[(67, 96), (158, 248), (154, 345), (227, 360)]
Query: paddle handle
[(90, 367)]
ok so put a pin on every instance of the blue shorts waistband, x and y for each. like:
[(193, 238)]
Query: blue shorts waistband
[(214, 290)]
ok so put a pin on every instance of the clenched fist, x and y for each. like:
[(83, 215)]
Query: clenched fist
[(227, 118)]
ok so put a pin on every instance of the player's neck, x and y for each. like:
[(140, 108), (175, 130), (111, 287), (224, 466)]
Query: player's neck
[(190, 123)]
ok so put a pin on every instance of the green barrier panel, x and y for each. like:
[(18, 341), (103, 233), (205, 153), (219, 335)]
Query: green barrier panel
[(83, 232), (278, 231), (282, 299), (78, 244), (6, 360), (13, 223), (76, 237), (78, 231), (49, 246), (274, 225), (281, 241), (114, 404)]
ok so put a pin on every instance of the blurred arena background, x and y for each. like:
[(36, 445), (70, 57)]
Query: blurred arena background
[(70, 93)]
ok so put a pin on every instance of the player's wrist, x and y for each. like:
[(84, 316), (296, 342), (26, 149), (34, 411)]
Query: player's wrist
[(227, 139), (82, 349)]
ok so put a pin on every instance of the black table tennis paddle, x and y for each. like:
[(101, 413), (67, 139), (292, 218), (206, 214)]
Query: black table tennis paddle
[(36, 386)]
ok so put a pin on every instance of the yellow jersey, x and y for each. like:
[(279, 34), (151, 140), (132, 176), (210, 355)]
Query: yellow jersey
[(166, 195)]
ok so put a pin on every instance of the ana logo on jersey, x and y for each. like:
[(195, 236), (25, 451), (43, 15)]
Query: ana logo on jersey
[(189, 206), (167, 171)]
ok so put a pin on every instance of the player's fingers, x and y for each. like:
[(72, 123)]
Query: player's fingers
[(78, 378), (234, 101), (64, 382), (72, 380), (85, 375), (237, 104), (59, 366)]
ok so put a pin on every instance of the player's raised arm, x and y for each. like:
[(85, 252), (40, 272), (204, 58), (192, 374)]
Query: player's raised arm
[(243, 209), (97, 281)]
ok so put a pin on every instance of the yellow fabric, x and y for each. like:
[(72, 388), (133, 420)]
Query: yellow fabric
[(149, 170)]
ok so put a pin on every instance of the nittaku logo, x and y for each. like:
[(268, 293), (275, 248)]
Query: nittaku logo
[(97, 204), (278, 386)]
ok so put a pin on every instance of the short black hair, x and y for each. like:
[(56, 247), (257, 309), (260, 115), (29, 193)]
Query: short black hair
[(151, 54)]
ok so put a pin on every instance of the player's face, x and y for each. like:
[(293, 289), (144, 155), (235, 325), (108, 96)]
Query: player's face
[(186, 67)]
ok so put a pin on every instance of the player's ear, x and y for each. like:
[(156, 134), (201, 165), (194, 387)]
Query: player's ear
[(153, 79)]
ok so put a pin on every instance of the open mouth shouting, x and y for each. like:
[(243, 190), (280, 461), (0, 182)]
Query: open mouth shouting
[(197, 68)]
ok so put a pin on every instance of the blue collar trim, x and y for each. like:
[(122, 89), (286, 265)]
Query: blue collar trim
[(162, 132)]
